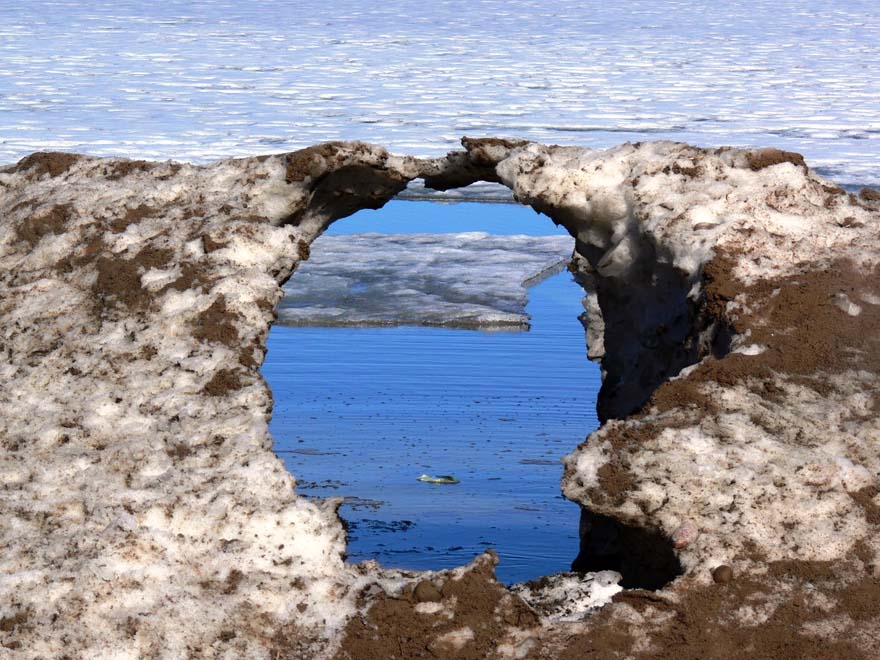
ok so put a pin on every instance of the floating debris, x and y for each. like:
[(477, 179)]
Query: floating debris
[(440, 479)]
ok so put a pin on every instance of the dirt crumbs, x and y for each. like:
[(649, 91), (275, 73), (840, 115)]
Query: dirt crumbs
[(53, 163), (311, 161), (119, 280), (758, 160), (216, 324), (223, 382), (36, 227), (780, 616), (132, 217), (466, 619)]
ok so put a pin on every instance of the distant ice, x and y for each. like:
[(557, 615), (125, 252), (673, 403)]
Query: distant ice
[(199, 81), (465, 280)]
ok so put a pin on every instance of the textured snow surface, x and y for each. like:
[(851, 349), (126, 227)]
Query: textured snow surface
[(143, 508), (569, 596), (199, 81), (471, 279)]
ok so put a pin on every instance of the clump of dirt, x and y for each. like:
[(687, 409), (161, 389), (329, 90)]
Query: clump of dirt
[(476, 148), (119, 279), (393, 628), (212, 245), (192, 276), (303, 250), (124, 168), (865, 499), (216, 324), (179, 451), (615, 481), (870, 195), (702, 621), (131, 217), (53, 163), (54, 222), (223, 382), (689, 171), (763, 158), (306, 162)]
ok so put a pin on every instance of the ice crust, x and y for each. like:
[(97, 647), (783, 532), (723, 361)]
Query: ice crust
[(145, 513), (464, 280), (218, 79)]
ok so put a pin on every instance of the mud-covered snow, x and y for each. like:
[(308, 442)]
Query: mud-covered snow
[(145, 513)]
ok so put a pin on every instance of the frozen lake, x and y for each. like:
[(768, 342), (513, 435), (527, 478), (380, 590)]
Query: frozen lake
[(198, 81), (362, 412)]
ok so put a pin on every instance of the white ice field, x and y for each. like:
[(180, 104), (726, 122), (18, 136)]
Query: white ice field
[(469, 279), (200, 81)]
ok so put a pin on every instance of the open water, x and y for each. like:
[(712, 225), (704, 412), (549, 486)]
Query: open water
[(360, 413)]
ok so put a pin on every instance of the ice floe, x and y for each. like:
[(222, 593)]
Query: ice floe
[(470, 279)]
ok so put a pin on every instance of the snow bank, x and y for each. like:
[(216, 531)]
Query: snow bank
[(145, 513)]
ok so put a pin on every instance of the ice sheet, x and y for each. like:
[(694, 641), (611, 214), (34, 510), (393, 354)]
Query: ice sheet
[(198, 81), (470, 279)]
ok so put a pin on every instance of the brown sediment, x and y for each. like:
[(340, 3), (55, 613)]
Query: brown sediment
[(307, 162), (131, 217), (711, 622), (758, 160), (869, 194), (806, 338), (216, 324), (865, 499), (53, 163), (212, 245), (119, 279), (615, 481), (805, 334), (192, 276), (123, 168), (54, 222), (303, 250), (223, 382), (476, 148), (684, 170), (393, 628)]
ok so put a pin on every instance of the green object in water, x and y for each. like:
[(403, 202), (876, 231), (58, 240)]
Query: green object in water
[(441, 479)]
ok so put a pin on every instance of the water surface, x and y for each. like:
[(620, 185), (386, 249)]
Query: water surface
[(362, 412)]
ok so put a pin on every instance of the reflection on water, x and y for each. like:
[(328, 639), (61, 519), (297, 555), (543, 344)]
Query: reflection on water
[(363, 412)]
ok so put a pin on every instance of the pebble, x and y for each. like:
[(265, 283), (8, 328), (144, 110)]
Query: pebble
[(684, 535), (427, 592), (722, 574)]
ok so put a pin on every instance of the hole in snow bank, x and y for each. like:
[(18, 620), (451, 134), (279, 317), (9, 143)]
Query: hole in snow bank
[(645, 558), (361, 412)]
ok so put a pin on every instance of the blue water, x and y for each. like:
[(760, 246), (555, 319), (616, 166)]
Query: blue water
[(408, 217), (362, 412)]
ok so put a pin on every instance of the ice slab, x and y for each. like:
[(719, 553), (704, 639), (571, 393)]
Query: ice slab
[(470, 279)]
